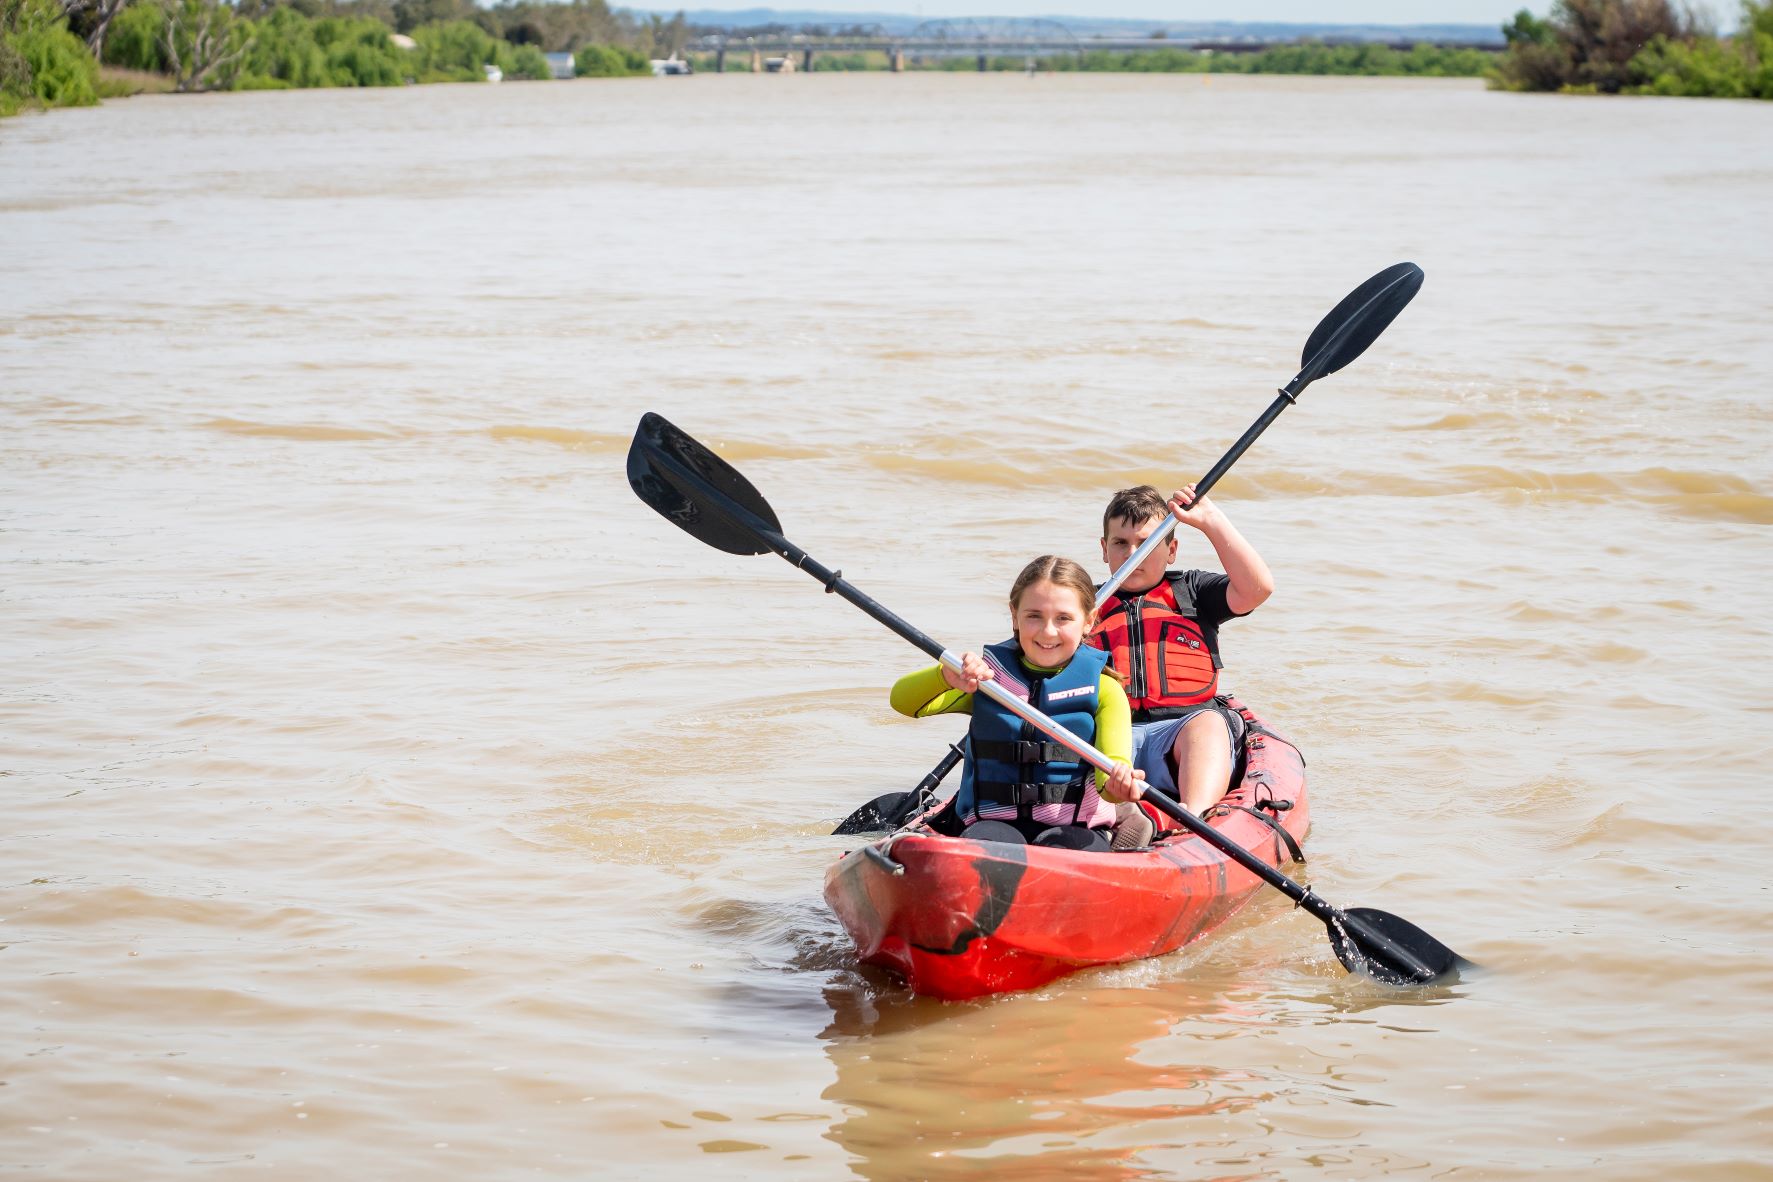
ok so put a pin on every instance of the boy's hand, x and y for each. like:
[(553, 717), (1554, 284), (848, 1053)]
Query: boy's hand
[(973, 670), (1187, 511), (1124, 784)]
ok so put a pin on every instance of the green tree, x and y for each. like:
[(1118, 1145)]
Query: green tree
[(662, 38), (410, 14), (135, 38), (204, 43), (1527, 29), (562, 28), (284, 53), (90, 20), (361, 52), (454, 51)]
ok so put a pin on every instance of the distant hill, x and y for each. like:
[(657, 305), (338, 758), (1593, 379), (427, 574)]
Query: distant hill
[(1085, 27)]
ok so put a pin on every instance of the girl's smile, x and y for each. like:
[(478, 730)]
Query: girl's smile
[(1050, 623)]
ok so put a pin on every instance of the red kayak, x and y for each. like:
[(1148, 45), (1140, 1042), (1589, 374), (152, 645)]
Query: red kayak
[(960, 919)]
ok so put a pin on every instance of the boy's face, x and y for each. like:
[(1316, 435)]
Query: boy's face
[(1123, 538)]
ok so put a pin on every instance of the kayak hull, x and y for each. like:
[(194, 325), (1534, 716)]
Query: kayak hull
[(960, 919)]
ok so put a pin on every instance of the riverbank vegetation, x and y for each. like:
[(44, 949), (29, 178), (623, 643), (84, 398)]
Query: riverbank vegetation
[(1355, 58), (1638, 47), (75, 52), (61, 53), (1302, 58)]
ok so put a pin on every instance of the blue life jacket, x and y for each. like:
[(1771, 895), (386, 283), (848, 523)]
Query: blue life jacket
[(1012, 765)]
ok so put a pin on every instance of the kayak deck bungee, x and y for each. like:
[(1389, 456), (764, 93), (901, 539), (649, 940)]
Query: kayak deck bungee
[(961, 919)]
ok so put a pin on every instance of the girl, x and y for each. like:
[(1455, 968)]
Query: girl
[(1019, 785)]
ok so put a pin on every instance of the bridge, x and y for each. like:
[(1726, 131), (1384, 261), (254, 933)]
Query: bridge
[(974, 37)]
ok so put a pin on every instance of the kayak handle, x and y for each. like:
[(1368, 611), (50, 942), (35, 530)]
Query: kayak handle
[(879, 857)]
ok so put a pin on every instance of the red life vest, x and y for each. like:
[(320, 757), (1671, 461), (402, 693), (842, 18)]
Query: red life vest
[(1154, 640)]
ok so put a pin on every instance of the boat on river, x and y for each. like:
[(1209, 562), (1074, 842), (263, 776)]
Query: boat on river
[(960, 919)]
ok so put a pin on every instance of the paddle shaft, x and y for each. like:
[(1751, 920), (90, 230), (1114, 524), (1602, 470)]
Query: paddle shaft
[(1163, 531), (950, 758), (1289, 394)]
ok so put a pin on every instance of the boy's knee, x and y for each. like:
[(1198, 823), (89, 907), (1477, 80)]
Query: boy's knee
[(1207, 725)]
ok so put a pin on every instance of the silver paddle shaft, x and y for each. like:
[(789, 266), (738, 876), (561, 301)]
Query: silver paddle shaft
[(1156, 539)]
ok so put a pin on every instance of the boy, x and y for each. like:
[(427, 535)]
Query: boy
[(1161, 631)]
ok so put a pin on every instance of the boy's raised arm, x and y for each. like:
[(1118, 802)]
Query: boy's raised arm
[(1251, 580)]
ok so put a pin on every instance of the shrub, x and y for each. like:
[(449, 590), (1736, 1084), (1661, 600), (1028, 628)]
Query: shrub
[(453, 51), (526, 62), (609, 61), (63, 73), (284, 53), (41, 63), (360, 52), (1703, 69)]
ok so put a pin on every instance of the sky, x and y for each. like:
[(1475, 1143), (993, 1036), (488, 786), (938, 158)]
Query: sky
[(1389, 12)]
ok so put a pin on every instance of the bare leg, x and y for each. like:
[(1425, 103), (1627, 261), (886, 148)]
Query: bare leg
[(1202, 753)]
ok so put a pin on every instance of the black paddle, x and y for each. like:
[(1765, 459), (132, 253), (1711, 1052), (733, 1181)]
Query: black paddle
[(892, 809), (707, 498), (1338, 339)]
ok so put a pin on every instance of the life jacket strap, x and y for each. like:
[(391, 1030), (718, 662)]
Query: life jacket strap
[(1022, 751), (1025, 795)]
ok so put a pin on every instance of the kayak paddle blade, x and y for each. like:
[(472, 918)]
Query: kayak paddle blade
[(698, 491), (884, 813), (1357, 321), (1391, 949)]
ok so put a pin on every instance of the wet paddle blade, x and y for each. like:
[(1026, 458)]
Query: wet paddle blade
[(1357, 321), (884, 813), (698, 491), (1391, 949)]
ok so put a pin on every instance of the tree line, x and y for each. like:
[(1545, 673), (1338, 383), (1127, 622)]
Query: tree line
[(51, 51)]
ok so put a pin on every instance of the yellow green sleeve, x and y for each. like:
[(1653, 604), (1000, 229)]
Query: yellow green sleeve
[(1114, 724), (921, 694)]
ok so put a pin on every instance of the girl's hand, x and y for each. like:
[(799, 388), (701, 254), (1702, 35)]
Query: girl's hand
[(1124, 783), (1187, 510), (973, 670)]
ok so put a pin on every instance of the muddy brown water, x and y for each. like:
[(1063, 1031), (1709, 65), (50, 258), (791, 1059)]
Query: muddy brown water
[(388, 791)]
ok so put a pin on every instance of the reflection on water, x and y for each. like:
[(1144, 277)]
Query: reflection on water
[(917, 1105)]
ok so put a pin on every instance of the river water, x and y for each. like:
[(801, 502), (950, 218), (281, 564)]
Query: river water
[(388, 791)]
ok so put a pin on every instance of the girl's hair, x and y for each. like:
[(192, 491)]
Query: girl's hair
[(1062, 572)]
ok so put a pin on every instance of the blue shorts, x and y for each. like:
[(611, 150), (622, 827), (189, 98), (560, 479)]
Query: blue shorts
[(1152, 742)]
